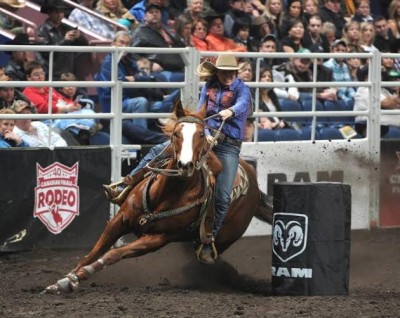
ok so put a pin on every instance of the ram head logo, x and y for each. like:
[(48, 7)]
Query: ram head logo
[(289, 237)]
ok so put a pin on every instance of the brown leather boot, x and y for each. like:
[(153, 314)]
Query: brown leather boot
[(129, 182), (111, 190)]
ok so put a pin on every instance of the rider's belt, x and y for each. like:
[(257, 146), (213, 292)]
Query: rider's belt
[(234, 142), (224, 138)]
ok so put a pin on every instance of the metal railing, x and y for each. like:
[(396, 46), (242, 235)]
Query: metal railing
[(190, 92)]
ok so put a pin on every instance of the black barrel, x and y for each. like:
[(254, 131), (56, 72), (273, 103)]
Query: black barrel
[(311, 238)]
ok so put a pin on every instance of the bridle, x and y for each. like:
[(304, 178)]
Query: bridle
[(202, 157)]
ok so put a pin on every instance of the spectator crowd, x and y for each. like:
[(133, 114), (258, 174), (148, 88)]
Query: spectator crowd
[(266, 26)]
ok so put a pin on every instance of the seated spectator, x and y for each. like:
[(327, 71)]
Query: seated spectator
[(313, 35), (384, 37), (54, 32), (194, 9), (216, 39), (235, 14), (86, 130), (241, 32), (294, 11), (259, 28), (135, 129), (289, 97), (90, 22), (199, 33), (388, 100), (368, 37), (394, 18), (340, 73), (35, 133), (274, 10), (39, 96), (363, 11), (329, 30), (183, 30), (331, 11), (294, 39), (8, 95), (8, 138), (139, 10), (298, 70), (153, 33), (311, 8), (15, 67), (8, 23), (116, 11), (269, 103), (352, 35), (269, 44)]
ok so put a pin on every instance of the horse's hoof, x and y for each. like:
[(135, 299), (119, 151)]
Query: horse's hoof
[(52, 289), (66, 285)]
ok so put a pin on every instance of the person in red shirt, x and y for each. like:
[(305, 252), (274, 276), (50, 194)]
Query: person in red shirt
[(217, 41)]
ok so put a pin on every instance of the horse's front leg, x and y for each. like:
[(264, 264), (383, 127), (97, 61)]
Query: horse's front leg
[(143, 245), (114, 229)]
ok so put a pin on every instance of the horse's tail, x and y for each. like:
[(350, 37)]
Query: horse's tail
[(264, 209)]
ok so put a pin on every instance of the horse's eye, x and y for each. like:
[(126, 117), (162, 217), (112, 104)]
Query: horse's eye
[(202, 134)]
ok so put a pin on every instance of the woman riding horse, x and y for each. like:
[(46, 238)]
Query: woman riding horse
[(229, 97)]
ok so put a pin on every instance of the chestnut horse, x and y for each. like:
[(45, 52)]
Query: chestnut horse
[(167, 205)]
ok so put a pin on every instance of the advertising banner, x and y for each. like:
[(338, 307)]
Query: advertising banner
[(390, 183), (53, 198), (311, 238)]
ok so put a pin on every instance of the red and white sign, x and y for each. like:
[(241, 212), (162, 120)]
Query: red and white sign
[(56, 196)]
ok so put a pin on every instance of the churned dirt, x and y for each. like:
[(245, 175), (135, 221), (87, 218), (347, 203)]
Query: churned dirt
[(170, 283)]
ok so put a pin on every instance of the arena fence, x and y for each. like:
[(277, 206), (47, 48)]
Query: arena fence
[(352, 161)]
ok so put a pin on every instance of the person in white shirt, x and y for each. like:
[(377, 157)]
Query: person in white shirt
[(35, 133)]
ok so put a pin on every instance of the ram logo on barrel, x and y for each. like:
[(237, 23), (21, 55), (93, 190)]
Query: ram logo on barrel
[(289, 235)]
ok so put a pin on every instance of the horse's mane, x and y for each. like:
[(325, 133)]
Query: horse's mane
[(169, 127)]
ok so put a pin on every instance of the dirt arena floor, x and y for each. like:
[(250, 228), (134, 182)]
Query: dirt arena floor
[(169, 283)]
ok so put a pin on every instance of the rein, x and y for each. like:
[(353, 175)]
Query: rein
[(149, 216), (199, 164)]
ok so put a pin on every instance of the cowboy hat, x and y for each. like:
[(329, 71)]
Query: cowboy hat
[(19, 105), (17, 4), (228, 62), (52, 5), (205, 69)]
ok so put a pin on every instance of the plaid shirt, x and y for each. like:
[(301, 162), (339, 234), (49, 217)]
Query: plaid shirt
[(236, 97), (341, 73)]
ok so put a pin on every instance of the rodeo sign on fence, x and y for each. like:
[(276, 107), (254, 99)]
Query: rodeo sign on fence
[(57, 196)]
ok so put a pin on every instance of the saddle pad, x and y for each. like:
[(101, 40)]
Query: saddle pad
[(241, 184)]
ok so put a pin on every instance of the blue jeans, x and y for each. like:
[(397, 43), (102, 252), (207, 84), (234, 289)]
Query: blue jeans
[(154, 152), (166, 105), (229, 156), (136, 105)]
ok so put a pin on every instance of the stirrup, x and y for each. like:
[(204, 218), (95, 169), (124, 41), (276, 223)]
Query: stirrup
[(108, 188), (122, 196), (214, 252)]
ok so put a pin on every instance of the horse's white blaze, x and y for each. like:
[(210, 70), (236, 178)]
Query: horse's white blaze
[(188, 131)]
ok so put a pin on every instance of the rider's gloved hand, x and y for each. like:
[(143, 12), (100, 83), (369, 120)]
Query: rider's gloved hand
[(225, 114), (211, 140)]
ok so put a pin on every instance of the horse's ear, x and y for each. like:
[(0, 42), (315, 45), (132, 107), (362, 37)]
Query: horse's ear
[(178, 109), (202, 111)]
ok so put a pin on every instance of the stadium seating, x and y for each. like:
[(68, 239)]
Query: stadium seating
[(267, 135), (329, 133), (393, 133), (287, 134)]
